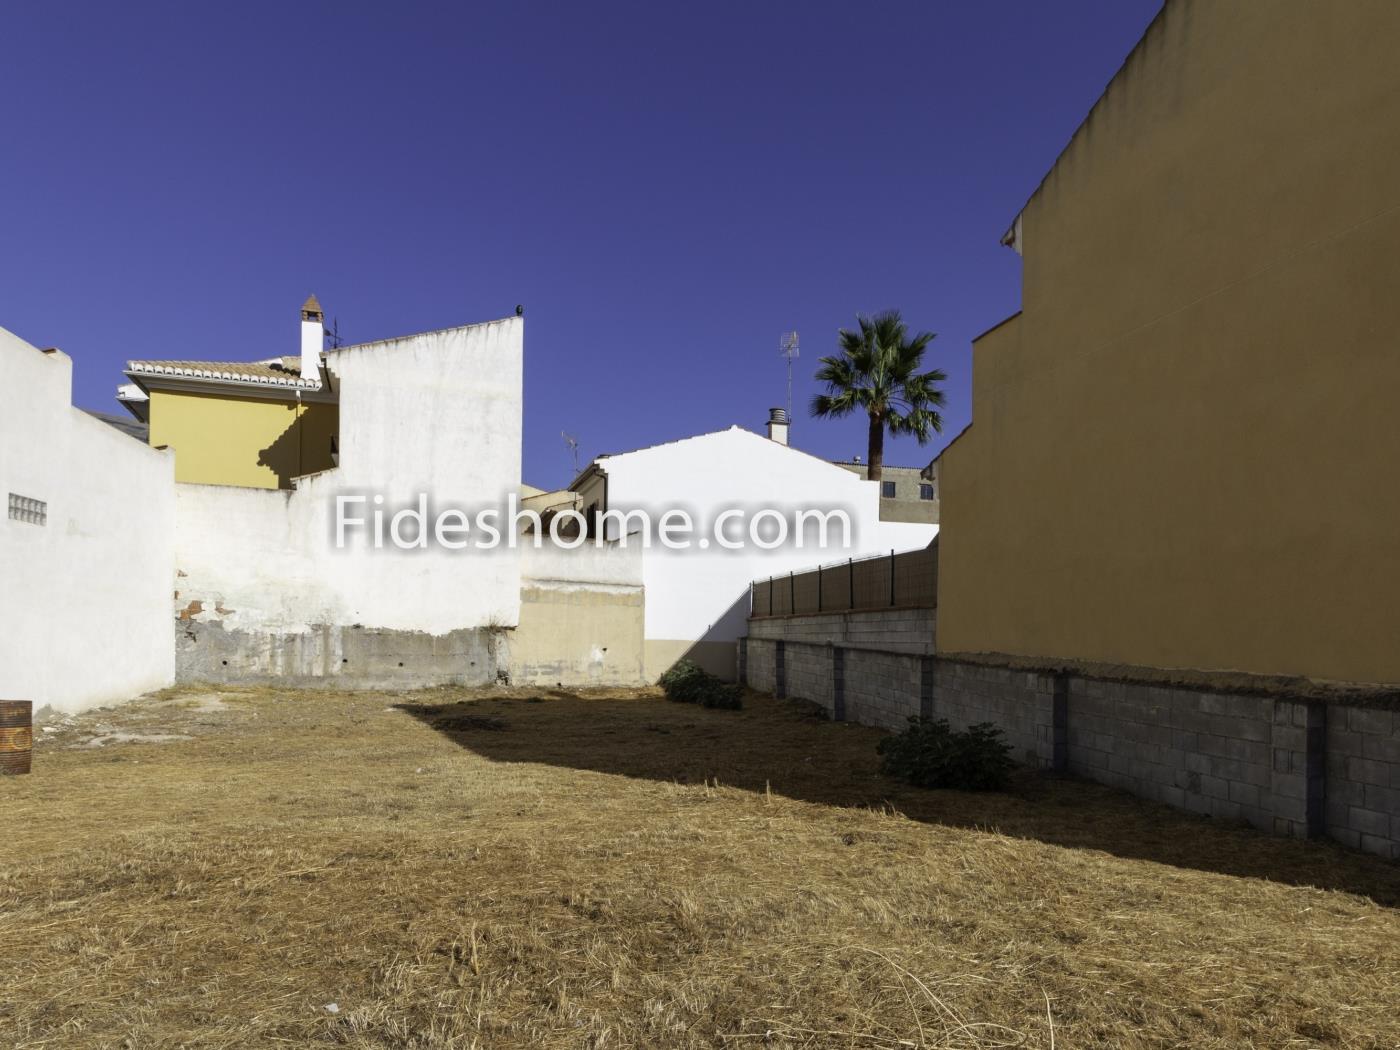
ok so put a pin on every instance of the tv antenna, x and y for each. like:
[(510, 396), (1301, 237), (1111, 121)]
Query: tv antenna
[(787, 346), (333, 333), (572, 442)]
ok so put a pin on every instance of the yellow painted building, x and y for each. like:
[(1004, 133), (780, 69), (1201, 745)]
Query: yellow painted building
[(1184, 446), (257, 424)]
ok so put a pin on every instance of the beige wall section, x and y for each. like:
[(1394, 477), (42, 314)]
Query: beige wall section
[(578, 635), (925, 511), (1184, 451), (247, 441), (719, 658), (907, 504)]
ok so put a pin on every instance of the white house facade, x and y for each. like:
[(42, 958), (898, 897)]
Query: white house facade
[(265, 590), (697, 598), (86, 547)]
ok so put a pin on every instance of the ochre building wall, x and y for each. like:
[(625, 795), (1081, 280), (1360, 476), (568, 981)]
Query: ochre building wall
[(246, 441), (1184, 450)]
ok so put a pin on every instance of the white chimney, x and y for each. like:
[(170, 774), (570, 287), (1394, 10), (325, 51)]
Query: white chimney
[(778, 425), (313, 335)]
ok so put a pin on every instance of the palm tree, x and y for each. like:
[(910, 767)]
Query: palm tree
[(878, 371)]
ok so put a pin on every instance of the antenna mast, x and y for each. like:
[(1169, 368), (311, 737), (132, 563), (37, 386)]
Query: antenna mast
[(787, 347), (572, 443)]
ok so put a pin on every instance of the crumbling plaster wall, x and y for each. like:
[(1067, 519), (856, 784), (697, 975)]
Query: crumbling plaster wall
[(260, 576)]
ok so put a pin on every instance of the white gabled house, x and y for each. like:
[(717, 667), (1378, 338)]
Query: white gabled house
[(697, 599)]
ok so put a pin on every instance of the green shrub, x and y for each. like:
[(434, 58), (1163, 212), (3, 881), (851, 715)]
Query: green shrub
[(930, 755), (688, 684)]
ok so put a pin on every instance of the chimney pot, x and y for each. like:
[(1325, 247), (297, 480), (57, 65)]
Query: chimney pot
[(313, 336), (778, 425)]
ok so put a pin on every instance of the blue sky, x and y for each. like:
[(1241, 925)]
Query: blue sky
[(665, 188)]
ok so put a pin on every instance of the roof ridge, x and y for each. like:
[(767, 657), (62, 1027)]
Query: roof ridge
[(415, 335), (862, 463), (229, 371)]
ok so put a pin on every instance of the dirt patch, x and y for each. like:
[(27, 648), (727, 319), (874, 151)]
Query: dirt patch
[(131, 738), (196, 703)]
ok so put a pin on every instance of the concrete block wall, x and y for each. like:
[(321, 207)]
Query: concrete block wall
[(1362, 770), (1206, 752), (1301, 768), (1298, 782), (880, 689), (761, 664), (1019, 703), (891, 630), (876, 688), (808, 673)]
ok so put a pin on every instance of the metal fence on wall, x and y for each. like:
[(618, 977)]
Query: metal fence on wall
[(897, 580)]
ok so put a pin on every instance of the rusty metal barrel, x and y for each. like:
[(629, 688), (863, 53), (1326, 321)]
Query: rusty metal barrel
[(16, 736)]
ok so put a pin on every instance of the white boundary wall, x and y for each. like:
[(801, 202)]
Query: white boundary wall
[(85, 598), (437, 413)]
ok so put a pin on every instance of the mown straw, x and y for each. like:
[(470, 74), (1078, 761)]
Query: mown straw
[(546, 869)]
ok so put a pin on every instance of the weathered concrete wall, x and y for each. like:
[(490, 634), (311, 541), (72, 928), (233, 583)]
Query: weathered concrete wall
[(581, 617), (438, 414), (84, 597), (578, 636), (1288, 766), (337, 656), (1224, 225)]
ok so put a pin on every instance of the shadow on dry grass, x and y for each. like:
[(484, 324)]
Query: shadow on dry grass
[(259, 867), (790, 749)]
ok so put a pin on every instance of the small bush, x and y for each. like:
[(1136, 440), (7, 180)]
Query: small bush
[(688, 684), (930, 755)]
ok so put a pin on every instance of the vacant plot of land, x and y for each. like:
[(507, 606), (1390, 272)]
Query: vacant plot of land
[(501, 869)]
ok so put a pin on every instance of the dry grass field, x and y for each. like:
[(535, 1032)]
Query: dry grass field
[(457, 869)]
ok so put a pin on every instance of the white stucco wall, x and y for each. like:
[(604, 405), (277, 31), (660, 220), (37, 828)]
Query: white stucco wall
[(588, 565), (702, 595), (84, 599), (437, 413)]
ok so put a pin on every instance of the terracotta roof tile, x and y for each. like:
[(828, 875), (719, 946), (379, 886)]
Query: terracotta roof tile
[(283, 371)]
